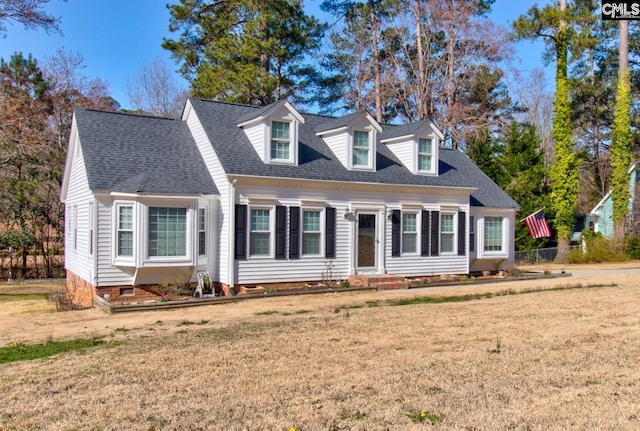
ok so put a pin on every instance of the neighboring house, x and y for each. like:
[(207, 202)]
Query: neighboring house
[(267, 195), (602, 213)]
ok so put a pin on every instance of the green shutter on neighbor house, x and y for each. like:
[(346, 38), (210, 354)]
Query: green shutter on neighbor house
[(330, 233), (435, 233), (462, 232), (424, 234), (241, 232), (395, 233), (281, 232), (294, 232)]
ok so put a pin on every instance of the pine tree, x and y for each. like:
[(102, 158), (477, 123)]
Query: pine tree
[(245, 51)]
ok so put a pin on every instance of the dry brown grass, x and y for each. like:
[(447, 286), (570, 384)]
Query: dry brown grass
[(566, 360)]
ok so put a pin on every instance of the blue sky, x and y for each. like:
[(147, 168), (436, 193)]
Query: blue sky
[(117, 38)]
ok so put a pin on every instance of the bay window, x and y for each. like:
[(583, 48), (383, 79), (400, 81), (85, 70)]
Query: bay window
[(493, 234), (125, 231), (167, 231)]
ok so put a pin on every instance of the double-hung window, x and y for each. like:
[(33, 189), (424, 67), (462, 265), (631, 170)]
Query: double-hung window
[(360, 148), (92, 227), (125, 231), (425, 155), (280, 141), (409, 233), (311, 233), (493, 234), (260, 233), (167, 231), (447, 233), (202, 232)]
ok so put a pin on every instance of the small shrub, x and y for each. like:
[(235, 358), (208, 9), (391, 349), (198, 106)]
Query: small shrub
[(345, 284), (271, 289), (632, 247), (597, 249)]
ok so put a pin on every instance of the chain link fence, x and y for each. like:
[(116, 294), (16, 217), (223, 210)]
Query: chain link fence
[(536, 256)]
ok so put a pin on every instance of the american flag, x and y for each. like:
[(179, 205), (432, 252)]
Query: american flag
[(537, 225)]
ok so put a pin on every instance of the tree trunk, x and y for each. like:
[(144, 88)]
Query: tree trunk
[(377, 79)]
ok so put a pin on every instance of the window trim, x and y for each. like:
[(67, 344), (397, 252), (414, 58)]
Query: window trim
[(92, 228), (147, 223), (75, 228), (289, 142), (503, 245), (453, 233), (431, 155), (117, 229), (204, 231), (370, 149), (321, 232), (415, 234), (271, 231)]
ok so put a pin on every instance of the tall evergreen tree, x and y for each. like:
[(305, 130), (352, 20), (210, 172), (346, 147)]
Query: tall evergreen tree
[(24, 149), (245, 51), (551, 23)]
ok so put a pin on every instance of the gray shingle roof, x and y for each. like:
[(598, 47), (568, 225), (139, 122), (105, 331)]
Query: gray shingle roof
[(317, 162), (135, 154), (391, 131)]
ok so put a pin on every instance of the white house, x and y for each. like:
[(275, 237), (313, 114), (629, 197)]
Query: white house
[(268, 195)]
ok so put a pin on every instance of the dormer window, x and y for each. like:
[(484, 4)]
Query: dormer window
[(360, 148), (425, 155), (280, 141), (273, 132)]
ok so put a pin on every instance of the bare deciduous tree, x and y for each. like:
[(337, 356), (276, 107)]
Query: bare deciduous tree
[(155, 90), (29, 13)]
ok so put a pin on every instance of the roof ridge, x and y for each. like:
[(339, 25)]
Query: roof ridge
[(127, 114)]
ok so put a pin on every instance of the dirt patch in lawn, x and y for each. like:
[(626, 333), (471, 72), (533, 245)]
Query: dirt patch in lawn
[(563, 359)]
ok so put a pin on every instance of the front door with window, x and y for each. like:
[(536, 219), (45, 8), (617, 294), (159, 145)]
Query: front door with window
[(367, 242)]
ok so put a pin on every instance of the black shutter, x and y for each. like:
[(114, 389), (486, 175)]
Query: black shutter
[(330, 233), (435, 233), (281, 232), (294, 232), (472, 234), (395, 233), (241, 232), (462, 232), (424, 234)]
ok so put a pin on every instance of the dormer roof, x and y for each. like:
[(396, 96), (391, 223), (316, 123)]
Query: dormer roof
[(343, 123), (261, 114), (408, 131)]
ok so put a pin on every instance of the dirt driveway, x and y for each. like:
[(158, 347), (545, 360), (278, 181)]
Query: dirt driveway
[(36, 321)]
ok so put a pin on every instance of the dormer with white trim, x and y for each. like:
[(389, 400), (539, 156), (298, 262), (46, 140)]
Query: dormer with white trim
[(415, 145), (273, 131), (353, 140)]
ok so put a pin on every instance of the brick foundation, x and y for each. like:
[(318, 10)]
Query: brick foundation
[(79, 291)]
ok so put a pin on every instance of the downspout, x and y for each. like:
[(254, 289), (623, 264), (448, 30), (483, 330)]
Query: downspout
[(231, 273)]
